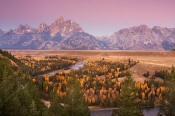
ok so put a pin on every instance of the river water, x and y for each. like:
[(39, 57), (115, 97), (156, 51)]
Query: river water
[(151, 111), (146, 111), (76, 66)]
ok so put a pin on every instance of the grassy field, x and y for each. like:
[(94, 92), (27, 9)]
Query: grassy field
[(160, 58), (149, 60)]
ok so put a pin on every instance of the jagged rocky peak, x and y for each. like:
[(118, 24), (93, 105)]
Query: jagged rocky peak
[(60, 20), (140, 28), (21, 29), (157, 28), (143, 27), (134, 29), (163, 31), (1, 31), (64, 27), (43, 27), (163, 28)]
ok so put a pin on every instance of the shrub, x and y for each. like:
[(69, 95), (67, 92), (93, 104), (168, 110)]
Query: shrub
[(146, 74), (162, 74)]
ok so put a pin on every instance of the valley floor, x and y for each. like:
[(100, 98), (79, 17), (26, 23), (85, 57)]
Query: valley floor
[(148, 60)]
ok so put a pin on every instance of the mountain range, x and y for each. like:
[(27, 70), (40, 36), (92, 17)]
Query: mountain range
[(66, 34)]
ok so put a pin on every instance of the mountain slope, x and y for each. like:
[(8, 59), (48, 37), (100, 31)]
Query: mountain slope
[(143, 38), (1, 32), (65, 28), (60, 34), (66, 34), (82, 40)]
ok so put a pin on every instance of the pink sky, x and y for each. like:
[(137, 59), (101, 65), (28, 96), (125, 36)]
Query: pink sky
[(98, 17)]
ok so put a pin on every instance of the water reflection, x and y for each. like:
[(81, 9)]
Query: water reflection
[(77, 66), (151, 111)]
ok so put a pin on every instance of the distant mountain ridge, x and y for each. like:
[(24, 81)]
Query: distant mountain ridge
[(58, 35), (66, 34), (143, 38)]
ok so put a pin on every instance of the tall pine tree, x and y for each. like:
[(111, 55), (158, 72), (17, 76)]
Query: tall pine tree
[(18, 95), (127, 99), (56, 109), (74, 102), (168, 102)]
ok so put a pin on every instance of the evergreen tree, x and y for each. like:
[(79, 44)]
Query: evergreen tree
[(18, 95), (127, 99), (168, 101), (74, 102), (55, 109)]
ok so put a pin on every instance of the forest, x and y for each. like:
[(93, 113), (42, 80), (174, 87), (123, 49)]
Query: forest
[(23, 87)]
